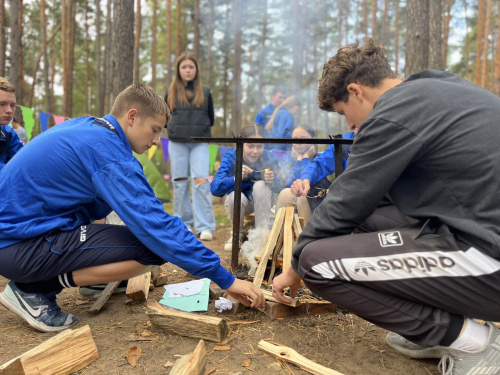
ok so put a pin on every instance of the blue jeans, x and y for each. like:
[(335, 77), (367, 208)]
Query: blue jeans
[(191, 160)]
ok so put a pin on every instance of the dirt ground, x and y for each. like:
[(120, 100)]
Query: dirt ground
[(345, 343)]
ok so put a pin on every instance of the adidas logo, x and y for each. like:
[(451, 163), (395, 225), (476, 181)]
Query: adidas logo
[(390, 239), (364, 266)]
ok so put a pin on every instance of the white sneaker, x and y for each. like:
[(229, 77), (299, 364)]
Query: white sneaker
[(409, 349), (228, 246), (206, 235)]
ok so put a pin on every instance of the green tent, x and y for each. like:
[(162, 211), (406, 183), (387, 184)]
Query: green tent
[(154, 177)]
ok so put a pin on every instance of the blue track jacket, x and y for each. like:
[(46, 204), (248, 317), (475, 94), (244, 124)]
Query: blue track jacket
[(263, 117), (282, 128), (77, 172), (10, 144), (324, 164), (223, 182)]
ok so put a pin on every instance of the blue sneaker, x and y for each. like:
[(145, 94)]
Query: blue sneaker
[(38, 309)]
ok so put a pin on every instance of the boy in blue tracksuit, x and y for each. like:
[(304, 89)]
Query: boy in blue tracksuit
[(10, 143), (78, 172), (320, 167), (262, 118)]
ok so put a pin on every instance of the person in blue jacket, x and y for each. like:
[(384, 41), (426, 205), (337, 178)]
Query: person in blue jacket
[(320, 167), (259, 181), (10, 143), (78, 172), (281, 123), (263, 116), (293, 168)]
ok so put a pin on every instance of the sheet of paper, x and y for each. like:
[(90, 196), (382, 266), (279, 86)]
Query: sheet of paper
[(182, 298), (184, 289)]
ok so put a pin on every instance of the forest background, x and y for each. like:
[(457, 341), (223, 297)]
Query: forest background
[(72, 57)]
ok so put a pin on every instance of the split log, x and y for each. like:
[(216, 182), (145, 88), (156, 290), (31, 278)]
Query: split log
[(268, 295), (103, 298), (288, 238), (193, 363), (297, 225), (270, 246), (187, 324), (138, 287), (279, 260), (65, 353), (288, 354)]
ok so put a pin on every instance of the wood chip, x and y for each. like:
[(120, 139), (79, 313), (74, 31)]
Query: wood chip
[(222, 348), (247, 362), (242, 322), (168, 364), (133, 355)]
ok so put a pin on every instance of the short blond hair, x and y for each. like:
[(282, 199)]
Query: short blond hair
[(6, 85), (143, 98)]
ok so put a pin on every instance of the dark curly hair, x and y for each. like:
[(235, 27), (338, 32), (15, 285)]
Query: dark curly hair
[(365, 65)]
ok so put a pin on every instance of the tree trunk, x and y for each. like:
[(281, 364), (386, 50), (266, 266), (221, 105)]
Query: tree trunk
[(467, 43), (2, 38), (347, 11), (262, 56), (374, 19), (169, 43), (496, 82), (15, 45), (87, 59), (46, 74), (297, 49), (98, 70), (365, 17), (396, 39), (196, 26), (155, 44), (225, 77), (417, 37), (435, 18), (64, 50), (137, 41), (325, 30), (484, 62), (178, 30), (107, 73), (210, 42), (384, 23), (20, 90), (123, 45), (340, 18), (446, 29), (236, 112), (70, 55), (479, 41)]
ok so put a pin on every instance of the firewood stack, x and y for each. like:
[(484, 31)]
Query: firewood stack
[(284, 233)]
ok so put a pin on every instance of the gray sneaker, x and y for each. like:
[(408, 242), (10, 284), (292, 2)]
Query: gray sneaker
[(483, 362), (39, 310), (409, 349)]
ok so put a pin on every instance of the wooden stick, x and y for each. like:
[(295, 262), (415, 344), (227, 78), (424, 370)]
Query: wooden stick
[(187, 324), (268, 295), (288, 238), (138, 287), (287, 354), (103, 298), (276, 252), (269, 246), (297, 226), (193, 363), (65, 353)]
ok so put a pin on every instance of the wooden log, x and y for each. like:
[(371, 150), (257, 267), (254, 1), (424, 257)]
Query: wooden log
[(138, 287), (65, 353), (270, 246), (193, 363), (279, 260), (268, 295), (297, 225), (187, 324), (287, 354), (103, 298), (162, 279), (288, 238)]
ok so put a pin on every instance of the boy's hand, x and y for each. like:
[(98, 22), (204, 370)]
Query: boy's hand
[(268, 176), (241, 289), (300, 187), (288, 279)]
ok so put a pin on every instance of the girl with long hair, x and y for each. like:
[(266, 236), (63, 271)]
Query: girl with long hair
[(192, 116)]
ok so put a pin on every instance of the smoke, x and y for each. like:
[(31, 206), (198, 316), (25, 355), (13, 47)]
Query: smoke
[(253, 246)]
